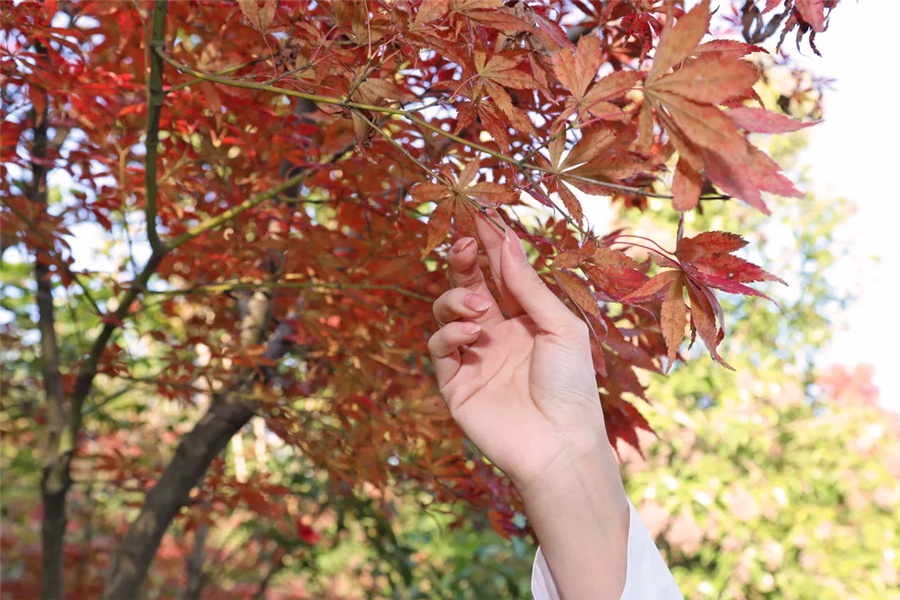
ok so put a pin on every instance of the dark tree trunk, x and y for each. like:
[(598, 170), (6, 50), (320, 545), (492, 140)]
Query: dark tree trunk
[(195, 452), (172, 492), (53, 528), (55, 480)]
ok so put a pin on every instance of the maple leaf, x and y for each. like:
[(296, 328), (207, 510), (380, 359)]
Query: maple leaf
[(577, 290), (730, 47), (491, 13), (489, 117), (456, 201), (613, 273), (600, 156), (259, 17), (576, 71), (501, 72), (759, 120), (673, 318), (707, 140), (813, 13), (705, 262), (708, 258), (430, 10)]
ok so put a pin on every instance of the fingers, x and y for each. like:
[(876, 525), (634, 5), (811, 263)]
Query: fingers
[(465, 273), (492, 239), (444, 348), (460, 303), (529, 290)]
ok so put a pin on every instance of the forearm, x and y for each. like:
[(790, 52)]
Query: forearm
[(580, 513)]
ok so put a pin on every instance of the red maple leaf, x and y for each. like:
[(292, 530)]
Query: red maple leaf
[(704, 262)]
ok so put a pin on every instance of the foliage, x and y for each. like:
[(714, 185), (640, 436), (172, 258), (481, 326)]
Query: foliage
[(273, 183), (775, 481)]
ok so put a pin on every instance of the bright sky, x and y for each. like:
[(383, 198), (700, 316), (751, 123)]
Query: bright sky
[(855, 154)]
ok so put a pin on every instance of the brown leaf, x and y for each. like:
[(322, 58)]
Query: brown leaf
[(686, 186), (813, 12), (260, 18), (711, 79), (438, 227), (576, 289), (702, 124), (677, 43), (497, 19), (673, 318), (760, 120), (577, 70), (430, 10), (703, 321), (569, 259), (502, 70), (572, 204), (655, 285)]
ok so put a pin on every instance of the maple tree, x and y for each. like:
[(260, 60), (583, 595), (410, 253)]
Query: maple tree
[(293, 170)]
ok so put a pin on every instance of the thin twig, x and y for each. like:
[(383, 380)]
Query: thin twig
[(226, 71), (221, 288), (408, 115)]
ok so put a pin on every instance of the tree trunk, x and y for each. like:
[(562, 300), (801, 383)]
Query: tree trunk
[(55, 480), (172, 492), (53, 528), (195, 452)]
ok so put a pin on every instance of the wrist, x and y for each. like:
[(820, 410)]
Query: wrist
[(580, 452), (580, 468), (580, 514)]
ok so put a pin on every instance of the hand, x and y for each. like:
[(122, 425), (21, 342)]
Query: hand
[(523, 386)]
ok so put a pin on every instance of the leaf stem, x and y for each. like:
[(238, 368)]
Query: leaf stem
[(640, 237), (647, 248)]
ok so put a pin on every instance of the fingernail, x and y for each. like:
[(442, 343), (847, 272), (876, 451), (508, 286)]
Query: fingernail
[(476, 302), (471, 328), (461, 245), (516, 249)]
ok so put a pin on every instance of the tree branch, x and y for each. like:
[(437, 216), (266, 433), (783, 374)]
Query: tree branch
[(220, 288), (225, 71), (237, 210), (196, 451), (194, 565), (154, 109), (55, 480)]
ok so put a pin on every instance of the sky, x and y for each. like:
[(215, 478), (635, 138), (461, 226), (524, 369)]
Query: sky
[(855, 154)]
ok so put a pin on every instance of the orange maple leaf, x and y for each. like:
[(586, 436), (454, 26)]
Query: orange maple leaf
[(457, 200), (707, 139)]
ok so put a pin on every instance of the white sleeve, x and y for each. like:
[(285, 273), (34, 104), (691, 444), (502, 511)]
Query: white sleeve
[(646, 576)]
